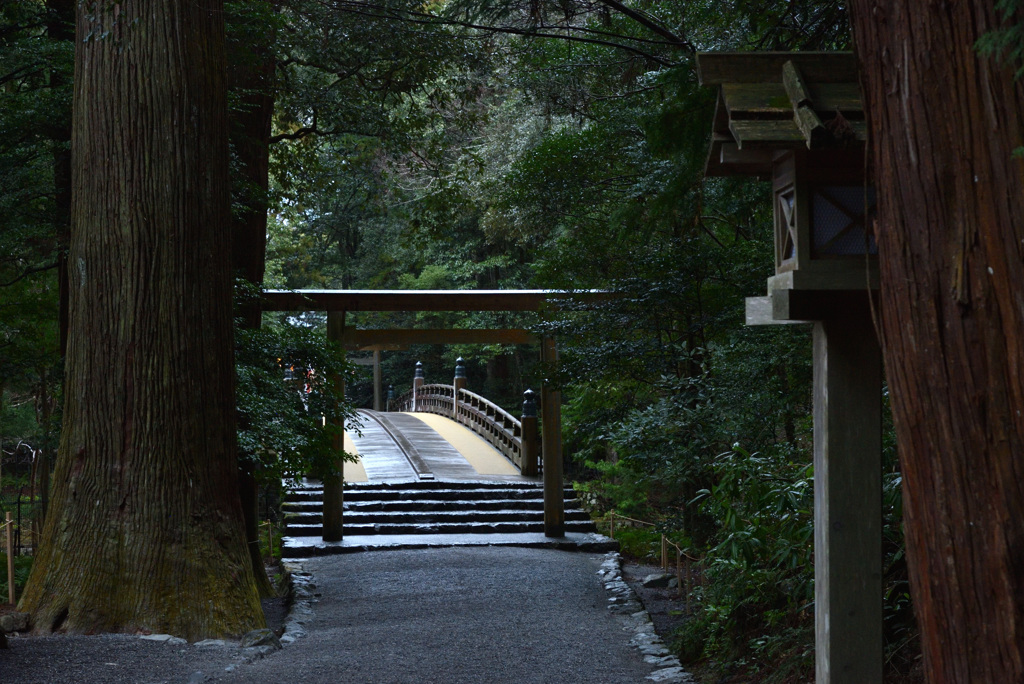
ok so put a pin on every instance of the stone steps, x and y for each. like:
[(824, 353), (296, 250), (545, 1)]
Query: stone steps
[(440, 528), (430, 516), (439, 505), (425, 508)]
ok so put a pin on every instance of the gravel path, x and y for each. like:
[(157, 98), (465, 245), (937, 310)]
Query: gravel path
[(451, 615)]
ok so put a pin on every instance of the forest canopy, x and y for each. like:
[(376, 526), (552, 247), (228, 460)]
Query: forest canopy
[(474, 144)]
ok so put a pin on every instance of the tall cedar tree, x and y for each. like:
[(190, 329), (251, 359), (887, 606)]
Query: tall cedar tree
[(945, 122), (145, 530), (251, 75)]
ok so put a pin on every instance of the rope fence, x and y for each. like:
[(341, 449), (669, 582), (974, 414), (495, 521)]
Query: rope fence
[(684, 561)]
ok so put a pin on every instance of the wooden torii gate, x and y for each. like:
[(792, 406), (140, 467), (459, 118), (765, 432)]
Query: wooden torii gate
[(338, 302)]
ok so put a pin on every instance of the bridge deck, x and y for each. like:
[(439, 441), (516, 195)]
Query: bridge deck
[(397, 447)]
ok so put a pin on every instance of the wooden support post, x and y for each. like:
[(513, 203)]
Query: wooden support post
[(847, 501), (458, 383), (417, 382), (529, 463), (334, 485), (378, 394), (9, 529), (551, 416)]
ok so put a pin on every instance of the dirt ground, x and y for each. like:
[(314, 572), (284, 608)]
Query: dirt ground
[(665, 606)]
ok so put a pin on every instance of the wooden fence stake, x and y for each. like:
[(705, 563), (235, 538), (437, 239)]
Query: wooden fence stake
[(10, 558), (679, 572)]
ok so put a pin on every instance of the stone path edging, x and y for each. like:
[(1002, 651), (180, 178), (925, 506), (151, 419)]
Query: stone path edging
[(303, 595), (627, 606), (261, 642)]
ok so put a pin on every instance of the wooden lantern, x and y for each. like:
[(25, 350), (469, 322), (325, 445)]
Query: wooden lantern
[(797, 120)]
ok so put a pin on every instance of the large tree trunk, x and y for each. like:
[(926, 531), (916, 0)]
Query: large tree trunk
[(145, 528), (250, 76), (944, 123)]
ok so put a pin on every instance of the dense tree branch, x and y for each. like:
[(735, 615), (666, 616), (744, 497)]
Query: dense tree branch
[(27, 272), (540, 31), (648, 23)]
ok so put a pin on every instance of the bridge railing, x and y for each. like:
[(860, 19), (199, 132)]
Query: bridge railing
[(493, 423), (516, 439)]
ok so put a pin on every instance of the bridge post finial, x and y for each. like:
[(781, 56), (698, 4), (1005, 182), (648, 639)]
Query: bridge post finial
[(529, 404), (419, 369), (460, 368), (391, 396)]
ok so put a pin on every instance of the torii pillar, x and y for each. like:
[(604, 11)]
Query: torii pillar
[(551, 449), (334, 484)]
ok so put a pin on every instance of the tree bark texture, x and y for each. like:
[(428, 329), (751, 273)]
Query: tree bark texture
[(944, 122), (145, 530), (251, 68), (251, 77)]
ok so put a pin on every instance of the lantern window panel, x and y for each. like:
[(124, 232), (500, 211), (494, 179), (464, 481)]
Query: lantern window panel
[(786, 225), (838, 220)]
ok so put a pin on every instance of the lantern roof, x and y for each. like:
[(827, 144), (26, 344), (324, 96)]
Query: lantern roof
[(772, 101)]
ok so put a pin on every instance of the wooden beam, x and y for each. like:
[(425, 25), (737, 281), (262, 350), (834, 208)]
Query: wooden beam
[(376, 347), (816, 305), (770, 100), (767, 133), (364, 339), (717, 68), (759, 312), (419, 300), (806, 119), (758, 159)]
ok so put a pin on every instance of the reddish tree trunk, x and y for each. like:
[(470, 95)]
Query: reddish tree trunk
[(145, 529), (944, 123)]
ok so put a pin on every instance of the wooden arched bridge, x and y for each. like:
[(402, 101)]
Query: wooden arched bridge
[(443, 465)]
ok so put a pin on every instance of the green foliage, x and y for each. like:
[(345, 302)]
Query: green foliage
[(756, 600), (287, 427), (483, 144), (641, 543), (271, 553), (35, 114), (1006, 43), (22, 568), (620, 489)]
